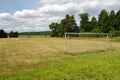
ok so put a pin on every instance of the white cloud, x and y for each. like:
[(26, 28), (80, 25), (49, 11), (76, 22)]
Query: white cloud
[(54, 11), (60, 10), (55, 18), (8, 29), (41, 29), (6, 17), (23, 28), (24, 14)]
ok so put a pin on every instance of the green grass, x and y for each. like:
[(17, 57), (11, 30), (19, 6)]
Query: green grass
[(95, 66), (44, 59)]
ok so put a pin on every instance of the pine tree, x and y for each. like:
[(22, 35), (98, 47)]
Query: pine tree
[(112, 24), (103, 21)]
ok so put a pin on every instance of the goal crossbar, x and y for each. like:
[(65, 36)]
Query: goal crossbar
[(87, 33)]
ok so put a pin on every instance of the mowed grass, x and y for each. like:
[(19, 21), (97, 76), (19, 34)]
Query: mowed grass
[(23, 53), (44, 59)]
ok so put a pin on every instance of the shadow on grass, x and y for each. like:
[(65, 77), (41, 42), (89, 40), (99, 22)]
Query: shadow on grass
[(88, 52)]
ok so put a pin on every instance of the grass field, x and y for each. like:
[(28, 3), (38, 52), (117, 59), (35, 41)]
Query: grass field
[(44, 59)]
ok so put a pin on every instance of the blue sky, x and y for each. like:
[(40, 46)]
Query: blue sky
[(36, 15), (12, 6)]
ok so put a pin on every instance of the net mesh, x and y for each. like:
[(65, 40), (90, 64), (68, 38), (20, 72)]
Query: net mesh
[(81, 42)]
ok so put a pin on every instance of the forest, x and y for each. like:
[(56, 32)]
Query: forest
[(106, 22)]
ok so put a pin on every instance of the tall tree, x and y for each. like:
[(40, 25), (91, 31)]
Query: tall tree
[(117, 20), (94, 23), (69, 24), (112, 23), (103, 21), (85, 25), (54, 27)]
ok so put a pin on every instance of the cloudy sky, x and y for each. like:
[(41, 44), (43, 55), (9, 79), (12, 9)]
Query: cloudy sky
[(36, 15)]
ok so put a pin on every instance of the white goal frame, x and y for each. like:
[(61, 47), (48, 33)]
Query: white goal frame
[(108, 36)]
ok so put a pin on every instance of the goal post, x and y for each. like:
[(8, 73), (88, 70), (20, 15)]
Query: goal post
[(80, 42)]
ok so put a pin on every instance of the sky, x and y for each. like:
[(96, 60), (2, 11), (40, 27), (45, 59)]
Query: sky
[(36, 15)]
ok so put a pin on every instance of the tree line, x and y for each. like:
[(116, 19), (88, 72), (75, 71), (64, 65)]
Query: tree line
[(12, 34), (42, 33), (106, 22)]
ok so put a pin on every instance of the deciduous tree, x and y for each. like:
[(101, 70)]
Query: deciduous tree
[(3, 34)]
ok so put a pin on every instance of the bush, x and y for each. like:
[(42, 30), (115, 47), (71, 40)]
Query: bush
[(3, 34), (115, 33), (13, 34)]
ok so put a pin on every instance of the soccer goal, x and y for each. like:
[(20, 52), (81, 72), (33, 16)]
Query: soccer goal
[(81, 42)]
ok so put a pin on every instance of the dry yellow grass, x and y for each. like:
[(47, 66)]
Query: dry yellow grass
[(86, 44), (24, 53)]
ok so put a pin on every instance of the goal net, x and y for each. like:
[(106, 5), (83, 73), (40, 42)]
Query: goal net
[(82, 42)]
